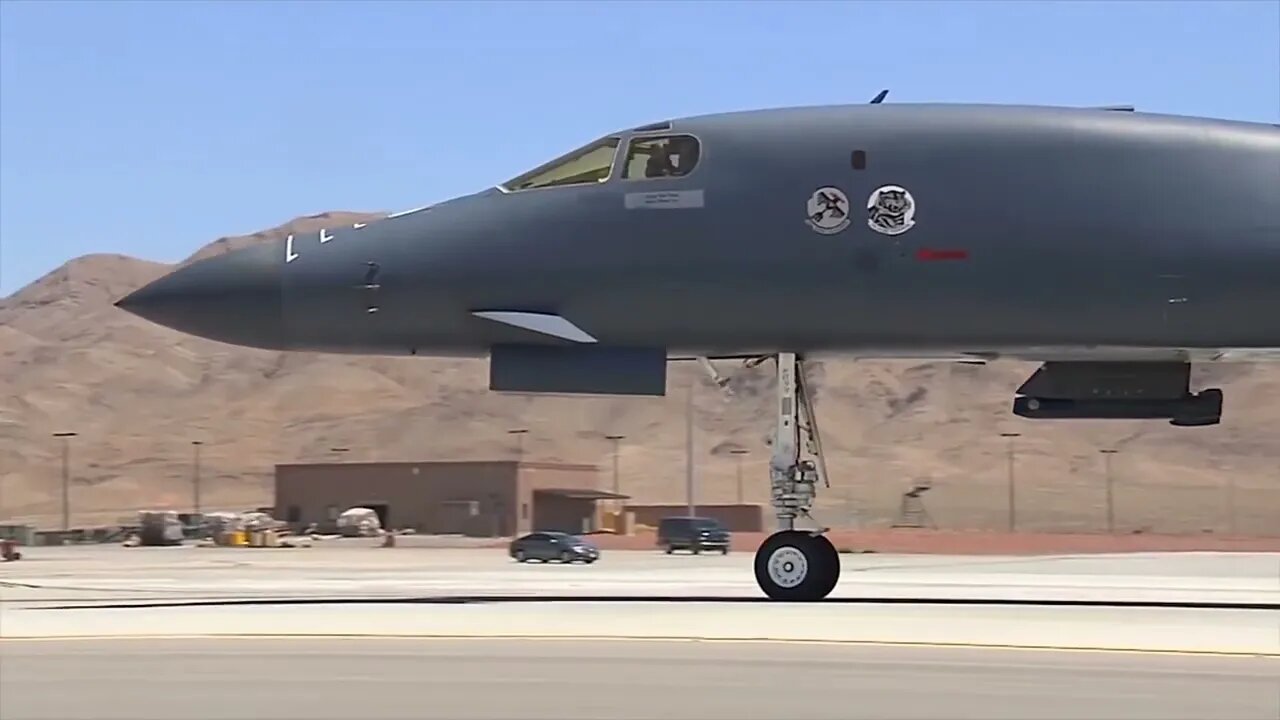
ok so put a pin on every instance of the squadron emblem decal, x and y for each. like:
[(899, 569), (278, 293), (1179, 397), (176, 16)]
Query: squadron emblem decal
[(891, 210), (828, 210)]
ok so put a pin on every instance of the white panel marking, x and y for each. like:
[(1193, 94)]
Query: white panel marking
[(406, 212), (552, 325), (663, 200)]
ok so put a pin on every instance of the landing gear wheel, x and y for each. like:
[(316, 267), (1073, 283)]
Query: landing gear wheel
[(565, 557), (520, 556), (796, 566)]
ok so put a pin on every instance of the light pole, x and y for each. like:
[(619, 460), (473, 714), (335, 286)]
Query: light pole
[(1012, 522), (195, 476), (615, 439), (66, 477), (1106, 463), (1231, 503), (519, 433), (688, 447), (739, 452)]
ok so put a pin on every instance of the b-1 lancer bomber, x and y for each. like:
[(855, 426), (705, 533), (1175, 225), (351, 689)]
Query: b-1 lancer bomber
[(1114, 247)]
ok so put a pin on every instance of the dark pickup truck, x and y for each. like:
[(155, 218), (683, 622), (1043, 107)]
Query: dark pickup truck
[(692, 533)]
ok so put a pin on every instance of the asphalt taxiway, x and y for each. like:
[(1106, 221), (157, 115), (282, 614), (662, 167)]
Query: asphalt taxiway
[(566, 680), (346, 629)]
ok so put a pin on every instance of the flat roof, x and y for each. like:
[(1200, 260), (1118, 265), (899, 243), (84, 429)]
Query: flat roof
[(582, 494), (529, 464)]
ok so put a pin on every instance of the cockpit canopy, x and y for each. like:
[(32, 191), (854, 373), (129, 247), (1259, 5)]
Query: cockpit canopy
[(647, 157)]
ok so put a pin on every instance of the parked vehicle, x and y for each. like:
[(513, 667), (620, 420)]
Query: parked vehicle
[(359, 522), (9, 550), (692, 533), (549, 545), (160, 527)]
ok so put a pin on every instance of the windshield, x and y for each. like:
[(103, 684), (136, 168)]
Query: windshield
[(661, 156), (585, 166)]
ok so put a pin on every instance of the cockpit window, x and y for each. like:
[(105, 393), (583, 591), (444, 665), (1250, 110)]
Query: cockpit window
[(662, 156), (591, 164)]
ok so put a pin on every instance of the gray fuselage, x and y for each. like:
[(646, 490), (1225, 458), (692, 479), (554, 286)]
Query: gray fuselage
[(1037, 232)]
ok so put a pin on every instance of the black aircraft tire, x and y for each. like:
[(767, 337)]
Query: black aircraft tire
[(798, 567), (831, 559)]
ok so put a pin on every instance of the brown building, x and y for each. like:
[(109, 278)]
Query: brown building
[(480, 499), (736, 518)]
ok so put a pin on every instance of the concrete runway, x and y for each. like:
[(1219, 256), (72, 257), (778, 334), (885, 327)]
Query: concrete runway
[(352, 589), (464, 679), (108, 632), (357, 569)]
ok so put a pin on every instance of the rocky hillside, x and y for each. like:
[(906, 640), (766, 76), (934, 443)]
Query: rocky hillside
[(137, 395)]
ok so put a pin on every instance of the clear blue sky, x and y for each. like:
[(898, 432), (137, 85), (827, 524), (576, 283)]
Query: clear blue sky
[(151, 128)]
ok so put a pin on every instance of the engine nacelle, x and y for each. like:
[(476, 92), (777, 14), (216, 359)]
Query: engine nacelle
[(1117, 391)]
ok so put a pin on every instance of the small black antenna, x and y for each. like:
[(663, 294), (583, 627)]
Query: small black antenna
[(879, 98)]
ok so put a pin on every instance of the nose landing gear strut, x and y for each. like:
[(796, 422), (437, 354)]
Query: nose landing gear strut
[(794, 564)]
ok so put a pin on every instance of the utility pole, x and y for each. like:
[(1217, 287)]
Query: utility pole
[(688, 447), (1231, 503), (1111, 517), (195, 476), (1013, 512), (519, 433), (615, 439), (66, 477), (739, 452)]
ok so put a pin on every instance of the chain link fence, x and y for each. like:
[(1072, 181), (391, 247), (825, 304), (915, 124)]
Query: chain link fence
[(1039, 496), (1039, 491)]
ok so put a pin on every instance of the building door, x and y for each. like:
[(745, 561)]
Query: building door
[(381, 510)]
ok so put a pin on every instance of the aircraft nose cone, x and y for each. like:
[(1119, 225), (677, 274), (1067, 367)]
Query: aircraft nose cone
[(234, 298)]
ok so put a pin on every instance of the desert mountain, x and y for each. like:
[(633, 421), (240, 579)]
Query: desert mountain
[(138, 395)]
